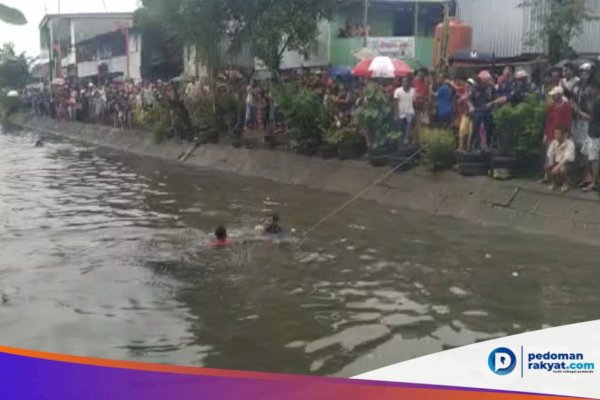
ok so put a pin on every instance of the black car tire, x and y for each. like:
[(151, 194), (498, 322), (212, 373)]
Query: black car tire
[(473, 169)]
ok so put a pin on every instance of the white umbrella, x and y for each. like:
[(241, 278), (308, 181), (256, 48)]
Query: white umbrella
[(382, 67), (13, 93)]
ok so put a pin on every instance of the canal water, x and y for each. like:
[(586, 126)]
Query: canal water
[(105, 254)]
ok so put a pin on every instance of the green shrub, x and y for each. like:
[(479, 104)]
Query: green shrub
[(346, 136), (439, 148), (375, 116), (9, 105), (304, 113), (520, 127)]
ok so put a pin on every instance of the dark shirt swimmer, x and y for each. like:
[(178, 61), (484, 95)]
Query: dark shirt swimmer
[(272, 226), (221, 238)]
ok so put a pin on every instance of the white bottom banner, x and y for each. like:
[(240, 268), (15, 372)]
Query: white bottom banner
[(558, 361)]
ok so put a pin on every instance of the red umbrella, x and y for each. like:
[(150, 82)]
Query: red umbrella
[(382, 67)]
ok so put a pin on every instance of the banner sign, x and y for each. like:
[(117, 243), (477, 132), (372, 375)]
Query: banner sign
[(393, 47)]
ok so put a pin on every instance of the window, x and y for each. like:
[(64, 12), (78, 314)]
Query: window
[(429, 16), (404, 20)]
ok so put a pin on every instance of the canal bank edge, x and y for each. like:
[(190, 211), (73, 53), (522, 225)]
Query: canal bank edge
[(521, 205)]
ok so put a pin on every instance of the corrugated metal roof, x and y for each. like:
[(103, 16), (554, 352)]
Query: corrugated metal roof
[(501, 26), (498, 26)]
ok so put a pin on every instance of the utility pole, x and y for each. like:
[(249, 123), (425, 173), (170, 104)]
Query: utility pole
[(58, 6), (443, 64), (365, 24)]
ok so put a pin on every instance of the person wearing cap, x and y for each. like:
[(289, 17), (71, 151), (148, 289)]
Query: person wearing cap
[(559, 115), (521, 87), (582, 102), (505, 81), (561, 153), (482, 100)]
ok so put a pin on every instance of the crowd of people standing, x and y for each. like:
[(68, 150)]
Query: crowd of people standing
[(465, 105), (121, 104), (462, 104)]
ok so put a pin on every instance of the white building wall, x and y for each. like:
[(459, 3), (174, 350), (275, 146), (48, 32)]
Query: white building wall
[(90, 68), (135, 57), (320, 58), (117, 64)]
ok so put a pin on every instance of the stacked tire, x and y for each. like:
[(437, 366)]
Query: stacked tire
[(473, 164), (327, 152), (404, 158), (395, 158)]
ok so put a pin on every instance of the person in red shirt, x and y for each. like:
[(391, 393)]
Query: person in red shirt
[(422, 86), (560, 115), (221, 238)]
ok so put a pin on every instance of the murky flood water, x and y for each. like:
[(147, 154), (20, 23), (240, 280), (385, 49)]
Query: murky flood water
[(104, 254)]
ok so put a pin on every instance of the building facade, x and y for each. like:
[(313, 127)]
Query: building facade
[(91, 45), (396, 28)]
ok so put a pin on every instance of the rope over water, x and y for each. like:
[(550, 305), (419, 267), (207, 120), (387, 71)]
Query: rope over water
[(359, 195)]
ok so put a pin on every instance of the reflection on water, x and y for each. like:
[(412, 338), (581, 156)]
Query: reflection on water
[(105, 254)]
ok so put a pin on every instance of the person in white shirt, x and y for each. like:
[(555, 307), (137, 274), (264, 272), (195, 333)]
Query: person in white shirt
[(252, 92), (570, 81), (189, 89), (560, 153), (404, 110)]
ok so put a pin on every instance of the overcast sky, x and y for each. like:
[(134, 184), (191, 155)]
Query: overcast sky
[(26, 38)]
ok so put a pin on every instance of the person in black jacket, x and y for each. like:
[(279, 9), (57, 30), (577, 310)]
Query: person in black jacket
[(272, 226)]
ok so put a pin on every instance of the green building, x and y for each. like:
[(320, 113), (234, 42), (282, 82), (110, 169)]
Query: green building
[(399, 29)]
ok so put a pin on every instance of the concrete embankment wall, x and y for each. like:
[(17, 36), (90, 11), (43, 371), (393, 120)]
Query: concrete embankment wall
[(522, 205)]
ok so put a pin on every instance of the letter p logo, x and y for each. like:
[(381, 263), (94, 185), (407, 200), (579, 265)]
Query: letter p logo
[(502, 361)]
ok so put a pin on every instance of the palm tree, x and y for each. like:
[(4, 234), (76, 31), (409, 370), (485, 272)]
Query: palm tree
[(11, 15)]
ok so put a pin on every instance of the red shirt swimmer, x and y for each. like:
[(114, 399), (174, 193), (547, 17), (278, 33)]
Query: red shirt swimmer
[(221, 238)]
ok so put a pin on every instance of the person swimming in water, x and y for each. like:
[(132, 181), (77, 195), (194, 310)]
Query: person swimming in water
[(39, 143), (221, 238), (272, 226)]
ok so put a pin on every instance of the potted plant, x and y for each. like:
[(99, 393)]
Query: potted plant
[(519, 131), (348, 140), (375, 117), (439, 147), (305, 116)]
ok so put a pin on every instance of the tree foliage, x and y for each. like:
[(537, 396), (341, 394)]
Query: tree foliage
[(14, 68), (223, 27), (273, 27), (11, 15), (559, 22), (161, 45)]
